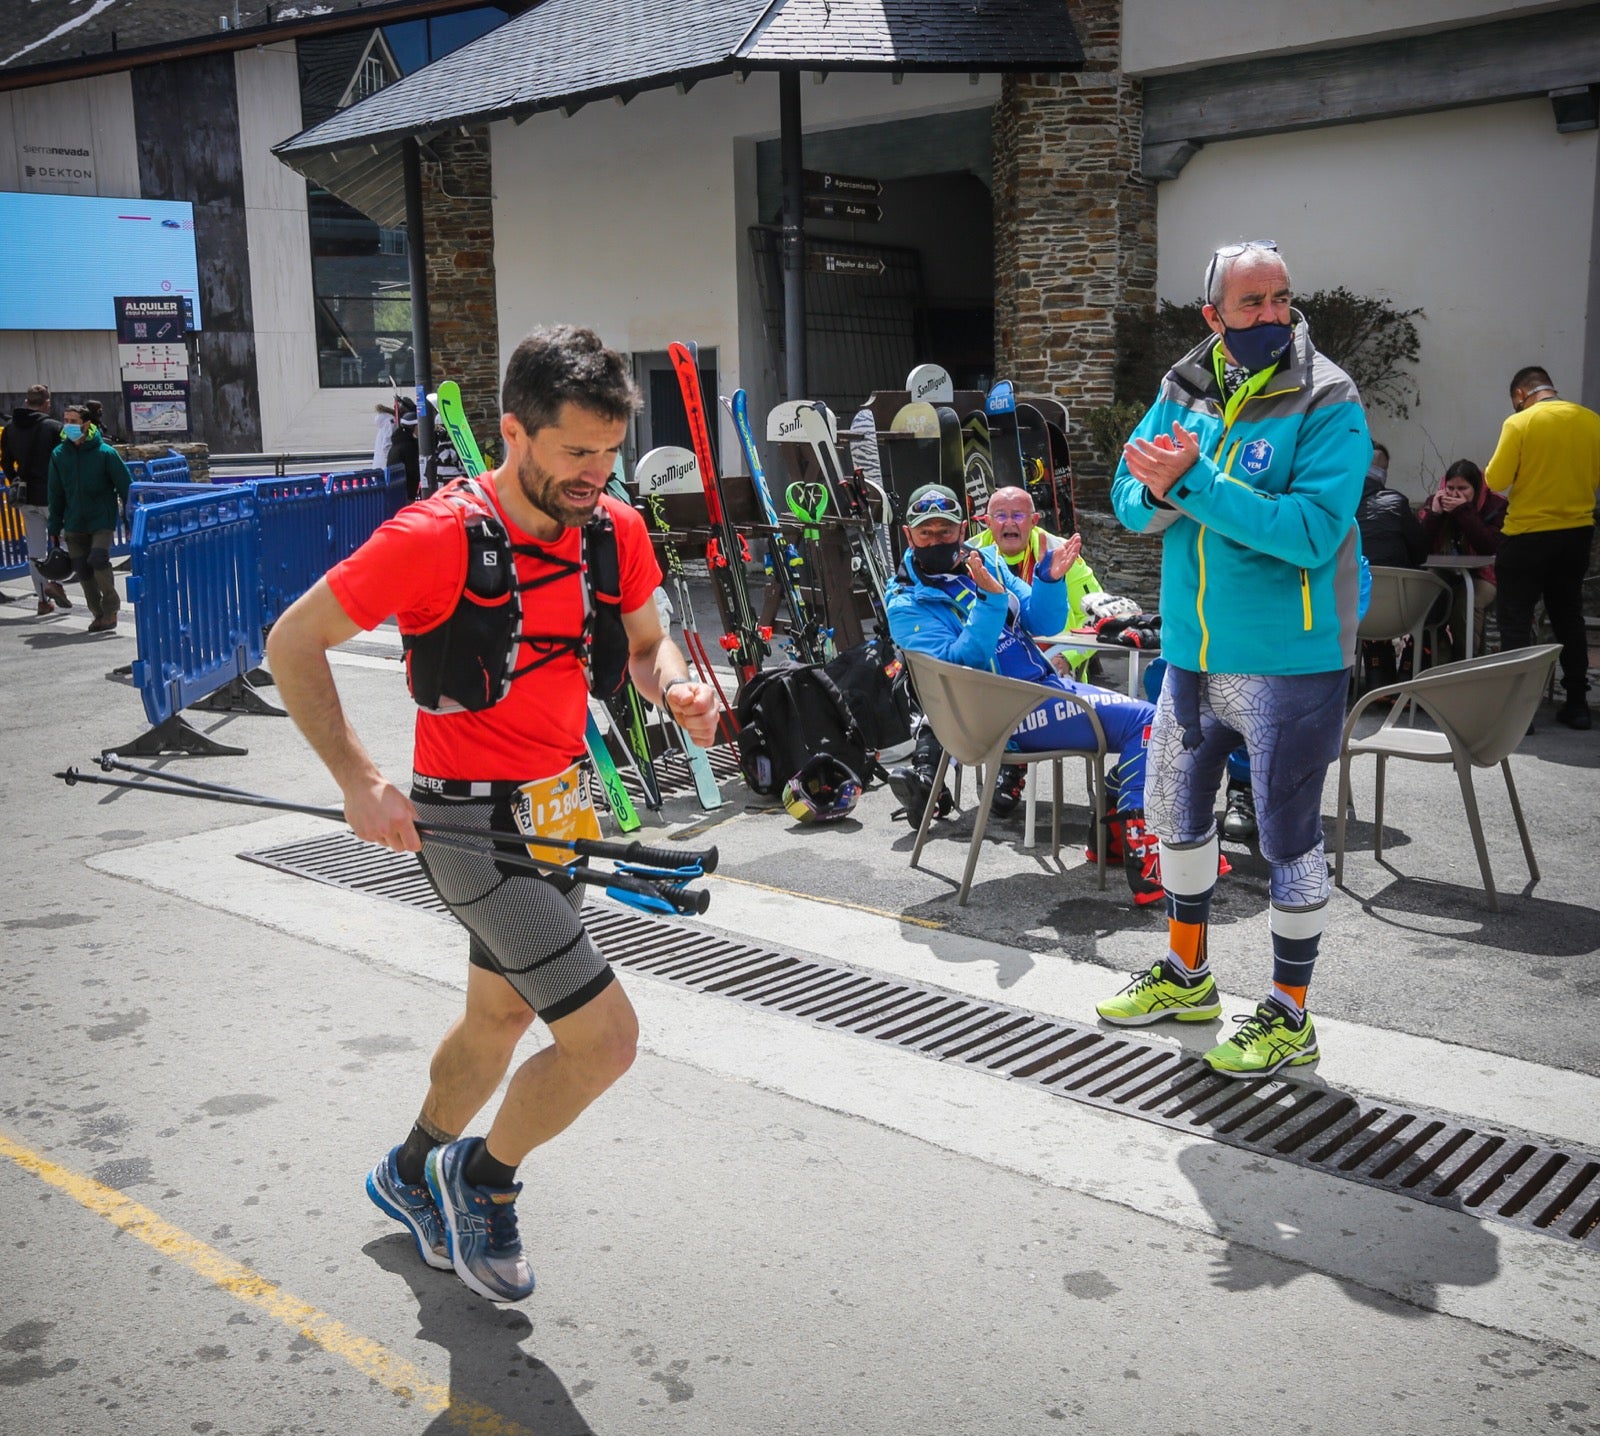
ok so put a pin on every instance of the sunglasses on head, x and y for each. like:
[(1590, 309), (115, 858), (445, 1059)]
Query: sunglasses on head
[(933, 504), (1232, 251)]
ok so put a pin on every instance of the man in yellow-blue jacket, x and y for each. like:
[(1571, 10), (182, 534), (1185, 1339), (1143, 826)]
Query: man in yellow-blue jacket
[(1250, 465)]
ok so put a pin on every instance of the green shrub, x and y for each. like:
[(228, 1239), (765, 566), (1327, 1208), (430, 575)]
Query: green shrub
[(1371, 339)]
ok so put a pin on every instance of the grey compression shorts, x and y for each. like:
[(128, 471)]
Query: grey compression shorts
[(522, 927)]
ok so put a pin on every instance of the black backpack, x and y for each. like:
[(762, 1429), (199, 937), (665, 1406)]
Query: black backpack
[(849, 708)]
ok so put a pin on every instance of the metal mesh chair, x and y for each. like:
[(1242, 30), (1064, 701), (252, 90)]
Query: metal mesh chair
[(1403, 600), (973, 714), (1482, 707)]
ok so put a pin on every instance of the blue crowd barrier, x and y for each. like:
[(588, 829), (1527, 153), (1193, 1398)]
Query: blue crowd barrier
[(357, 504), (196, 595), (13, 540), (292, 517), (395, 497)]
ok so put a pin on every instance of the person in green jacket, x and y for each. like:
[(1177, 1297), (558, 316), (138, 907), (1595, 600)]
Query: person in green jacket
[(87, 481), (1011, 525)]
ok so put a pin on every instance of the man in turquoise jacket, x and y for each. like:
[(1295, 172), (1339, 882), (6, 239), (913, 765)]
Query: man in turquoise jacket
[(87, 481), (1250, 465)]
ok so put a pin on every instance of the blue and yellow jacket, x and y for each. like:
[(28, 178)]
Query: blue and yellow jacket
[(1259, 560)]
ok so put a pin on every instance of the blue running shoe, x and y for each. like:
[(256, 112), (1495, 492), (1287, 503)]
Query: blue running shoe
[(480, 1225), (411, 1205)]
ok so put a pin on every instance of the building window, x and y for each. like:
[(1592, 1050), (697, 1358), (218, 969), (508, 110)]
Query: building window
[(361, 279), (373, 77)]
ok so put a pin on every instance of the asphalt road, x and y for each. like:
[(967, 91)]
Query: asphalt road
[(765, 1228)]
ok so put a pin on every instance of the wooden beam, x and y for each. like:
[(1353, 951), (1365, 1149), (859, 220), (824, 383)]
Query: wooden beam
[(1445, 70)]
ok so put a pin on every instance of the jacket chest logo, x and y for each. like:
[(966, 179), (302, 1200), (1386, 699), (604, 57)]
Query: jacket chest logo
[(1256, 456)]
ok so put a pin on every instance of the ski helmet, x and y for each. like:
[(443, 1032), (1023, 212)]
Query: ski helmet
[(823, 791), (54, 566)]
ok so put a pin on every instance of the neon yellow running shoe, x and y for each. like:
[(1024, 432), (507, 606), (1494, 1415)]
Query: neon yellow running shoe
[(1266, 1040), (1152, 996)]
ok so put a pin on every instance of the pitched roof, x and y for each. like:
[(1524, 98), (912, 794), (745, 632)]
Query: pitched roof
[(565, 53), (44, 43)]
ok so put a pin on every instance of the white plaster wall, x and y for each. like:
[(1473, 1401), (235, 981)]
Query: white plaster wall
[(630, 219), (297, 414), (1482, 217), (96, 115), (1164, 35)]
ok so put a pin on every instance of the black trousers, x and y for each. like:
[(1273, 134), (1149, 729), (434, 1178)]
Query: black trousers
[(1548, 566)]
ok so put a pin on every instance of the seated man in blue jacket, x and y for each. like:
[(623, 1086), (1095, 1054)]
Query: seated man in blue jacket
[(964, 605), (1250, 466)]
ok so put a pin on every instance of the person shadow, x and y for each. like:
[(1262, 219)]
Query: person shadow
[(491, 1376), (1281, 1224)]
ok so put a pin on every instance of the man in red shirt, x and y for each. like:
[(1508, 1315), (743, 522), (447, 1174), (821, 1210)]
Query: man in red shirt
[(503, 767)]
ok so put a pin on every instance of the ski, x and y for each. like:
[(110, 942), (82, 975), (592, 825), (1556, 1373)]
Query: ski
[(605, 767), (1005, 447), (864, 557), (655, 474), (1033, 439), (784, 563), (978, 466), (867, 460), (454, 418), (627, 716), (625, 705), (1061, 476), (744, 640)]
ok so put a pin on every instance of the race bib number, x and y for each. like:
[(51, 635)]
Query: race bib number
[(556, 807)]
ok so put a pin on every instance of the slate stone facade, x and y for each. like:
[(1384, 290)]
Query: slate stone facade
[(464, 329), (1075, 249)]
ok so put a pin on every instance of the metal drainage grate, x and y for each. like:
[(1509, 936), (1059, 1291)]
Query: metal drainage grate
[(1488, 1172)]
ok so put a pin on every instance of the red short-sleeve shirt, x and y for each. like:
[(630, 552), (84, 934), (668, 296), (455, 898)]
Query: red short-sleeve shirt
[(412, 567)]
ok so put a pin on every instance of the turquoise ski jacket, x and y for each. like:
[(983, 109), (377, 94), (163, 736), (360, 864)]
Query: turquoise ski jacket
[(1260, 553), (930, 617)]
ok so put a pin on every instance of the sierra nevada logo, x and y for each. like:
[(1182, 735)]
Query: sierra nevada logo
[(1256, 457)]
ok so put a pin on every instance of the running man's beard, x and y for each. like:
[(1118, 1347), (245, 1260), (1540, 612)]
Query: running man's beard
[(547, 497)]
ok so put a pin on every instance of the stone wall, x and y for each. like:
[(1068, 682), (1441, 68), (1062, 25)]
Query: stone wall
[(458, 222), (1075, 249)]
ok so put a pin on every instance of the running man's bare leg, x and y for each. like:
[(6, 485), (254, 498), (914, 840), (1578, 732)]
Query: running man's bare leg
[(474, 1054), (591, 1049)]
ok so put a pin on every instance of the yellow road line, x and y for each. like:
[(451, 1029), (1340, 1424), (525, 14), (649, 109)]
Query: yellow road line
[(394, 1373), (929, 922)]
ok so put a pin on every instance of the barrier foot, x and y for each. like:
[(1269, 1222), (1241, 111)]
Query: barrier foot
[(237, 696), (260, 678), (176, 736)]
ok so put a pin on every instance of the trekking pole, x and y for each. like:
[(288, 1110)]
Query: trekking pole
[(670, 859), (657, 884)]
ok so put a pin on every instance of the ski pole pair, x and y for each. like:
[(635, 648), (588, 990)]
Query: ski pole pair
[(654, 879)]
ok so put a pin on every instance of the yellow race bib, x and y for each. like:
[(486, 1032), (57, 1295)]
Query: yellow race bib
[(560, 806)]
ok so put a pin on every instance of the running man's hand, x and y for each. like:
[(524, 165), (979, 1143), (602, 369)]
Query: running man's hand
[(381, 813), (694, 705), (1061, 559), (1158, 464)]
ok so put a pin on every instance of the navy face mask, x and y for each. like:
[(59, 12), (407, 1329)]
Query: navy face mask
[(1259, 347)]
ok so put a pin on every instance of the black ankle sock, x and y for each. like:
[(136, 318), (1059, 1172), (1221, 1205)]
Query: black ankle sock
[(413, 1155), (482, 1170)]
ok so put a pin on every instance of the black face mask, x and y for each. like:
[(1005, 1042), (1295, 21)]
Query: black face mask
[(938, 558)]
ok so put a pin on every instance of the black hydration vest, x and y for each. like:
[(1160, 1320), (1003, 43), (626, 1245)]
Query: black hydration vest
[(468, 662)]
